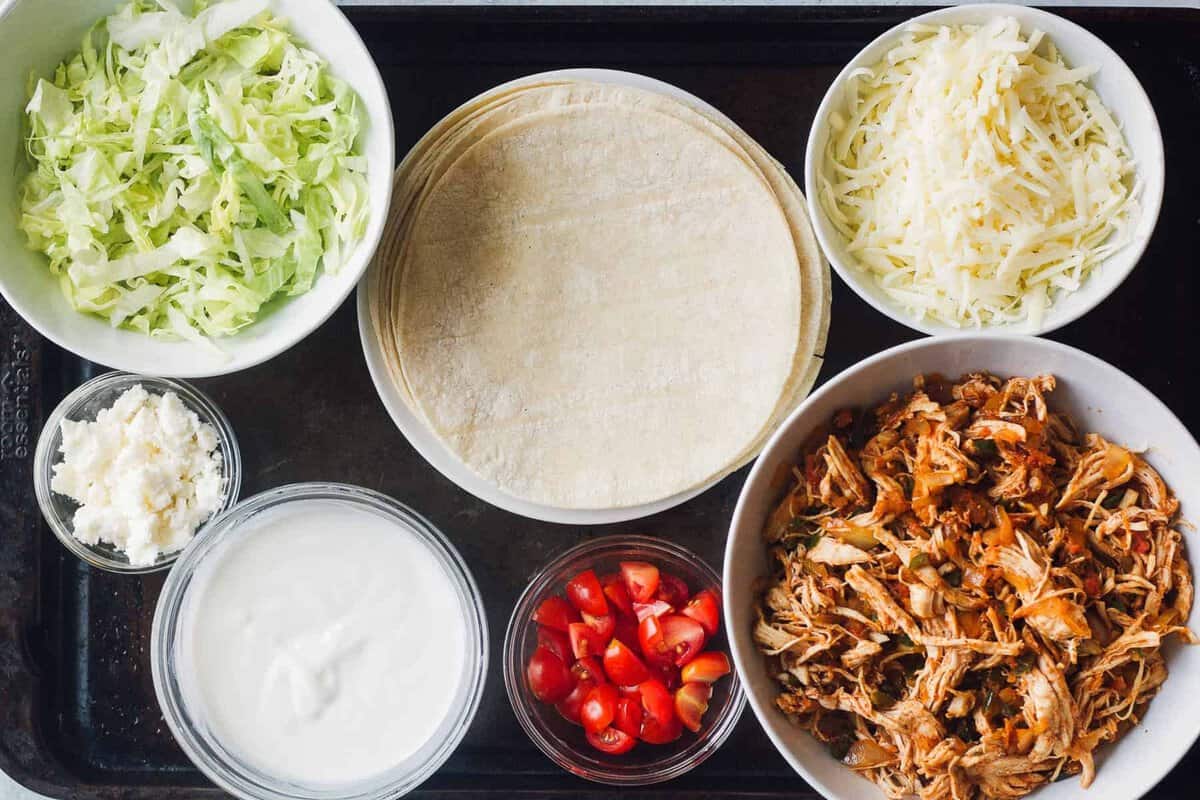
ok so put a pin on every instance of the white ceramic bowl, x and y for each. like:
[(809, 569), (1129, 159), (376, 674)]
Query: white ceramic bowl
[(1117, 86), (427, 443), (1100, 398), (38, 35)]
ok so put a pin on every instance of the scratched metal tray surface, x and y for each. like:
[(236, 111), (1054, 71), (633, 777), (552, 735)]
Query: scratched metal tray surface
[(78, 718)]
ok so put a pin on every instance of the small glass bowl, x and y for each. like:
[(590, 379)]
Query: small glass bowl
[(184, 712), (85, 403), (563, 742)]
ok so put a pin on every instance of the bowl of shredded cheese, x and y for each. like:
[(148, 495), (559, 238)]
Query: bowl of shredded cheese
[(985, 168), (129, 467)]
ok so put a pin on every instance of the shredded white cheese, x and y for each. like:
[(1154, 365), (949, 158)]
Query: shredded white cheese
[(975, 176), (146, 474)]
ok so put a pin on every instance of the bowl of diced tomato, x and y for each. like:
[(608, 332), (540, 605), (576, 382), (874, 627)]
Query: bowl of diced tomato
[(616, 663)]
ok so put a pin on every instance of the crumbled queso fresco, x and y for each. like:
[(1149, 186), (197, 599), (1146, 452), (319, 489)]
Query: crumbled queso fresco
[(146, 473)]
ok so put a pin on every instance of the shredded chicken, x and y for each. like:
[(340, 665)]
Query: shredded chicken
[(971, 597)]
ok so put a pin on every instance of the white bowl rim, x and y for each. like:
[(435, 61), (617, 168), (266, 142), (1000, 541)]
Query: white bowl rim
[(418, 434), (363, 249), (1131, 253), (731, 616)]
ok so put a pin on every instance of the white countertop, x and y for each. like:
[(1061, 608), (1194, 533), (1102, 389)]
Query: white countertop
[(9, 789)]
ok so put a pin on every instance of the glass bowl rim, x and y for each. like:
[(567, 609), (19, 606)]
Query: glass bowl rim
[(679, 763), (198, 744), (46, 455)]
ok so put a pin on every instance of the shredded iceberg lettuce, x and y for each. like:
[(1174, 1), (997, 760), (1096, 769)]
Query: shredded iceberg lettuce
[(188, 169)]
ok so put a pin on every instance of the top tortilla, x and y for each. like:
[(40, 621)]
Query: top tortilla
[(593, 294)]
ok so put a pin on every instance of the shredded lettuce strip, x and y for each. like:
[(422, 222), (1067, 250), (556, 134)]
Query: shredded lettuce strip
[(188, 169)]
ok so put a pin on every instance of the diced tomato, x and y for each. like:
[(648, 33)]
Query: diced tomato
[(554, 612), (652, 642), (549, 679), (684, 637), (628, 717), (617, 594), (659, 723), (585, 593), (661, 731), (599, 708), (584, 641), (570, 705), (641, 579), (1091, 584), (626, 631), (656, 700), (611, 741), (706, 668), (603, 625), (557, 642), (655, 609), (587, 673), (705, 608), (691, 701), (666, 672), (672, 590), (623, 666), (1141, 544), (588, 669)]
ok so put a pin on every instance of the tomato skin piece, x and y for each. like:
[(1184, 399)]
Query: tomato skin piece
[(691, 702), (602, 625), (708, 667), (656, 608), (585, 593), (611, 741), (584, 641), (628, 717), (672, 590), (641, 580), (599, 708), (555, 612), (616, 593), (684, 637), (549, 679), (623, 666), (705, 608), (557, 642)]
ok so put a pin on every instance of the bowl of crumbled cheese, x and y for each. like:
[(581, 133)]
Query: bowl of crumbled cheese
[(129, 467)]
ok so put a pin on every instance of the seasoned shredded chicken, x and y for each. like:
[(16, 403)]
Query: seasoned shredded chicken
[(970, 597)]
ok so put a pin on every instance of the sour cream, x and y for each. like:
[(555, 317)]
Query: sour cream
[(324, 644)]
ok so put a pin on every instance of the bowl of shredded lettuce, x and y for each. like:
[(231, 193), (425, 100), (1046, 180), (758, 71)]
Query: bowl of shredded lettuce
[(191, 187)]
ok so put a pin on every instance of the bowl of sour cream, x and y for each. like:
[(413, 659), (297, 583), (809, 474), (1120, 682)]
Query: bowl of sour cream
[(319, 641)]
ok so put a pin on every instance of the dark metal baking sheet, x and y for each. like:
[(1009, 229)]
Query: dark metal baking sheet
[(78, 717)]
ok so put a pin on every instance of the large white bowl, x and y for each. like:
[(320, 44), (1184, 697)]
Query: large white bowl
[(38, 35), (1117, 86), (1101, 398)]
